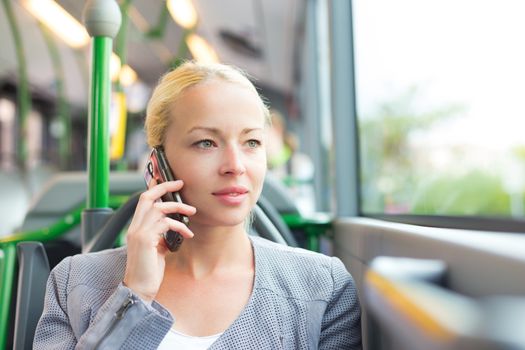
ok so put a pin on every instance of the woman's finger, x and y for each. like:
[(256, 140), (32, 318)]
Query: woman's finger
[(179, 227), (149, 197), (160, 190), (175, 207)]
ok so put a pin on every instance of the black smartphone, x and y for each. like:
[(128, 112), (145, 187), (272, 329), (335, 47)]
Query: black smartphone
[(158, 169)]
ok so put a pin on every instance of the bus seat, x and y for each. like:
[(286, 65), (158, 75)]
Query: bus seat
[(411, 308), (66, 191), (263, 227), (105, 238), (278, 195), (13, 202), (32, 278), (267, 211)]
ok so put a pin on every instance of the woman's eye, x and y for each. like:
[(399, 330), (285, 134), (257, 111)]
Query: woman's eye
[(204, 143), (253, 143)]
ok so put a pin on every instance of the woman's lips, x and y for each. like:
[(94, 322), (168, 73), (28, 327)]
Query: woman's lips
[(233, 195)]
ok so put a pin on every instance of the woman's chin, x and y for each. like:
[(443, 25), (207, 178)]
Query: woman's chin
[(221, 215), (223, 221)]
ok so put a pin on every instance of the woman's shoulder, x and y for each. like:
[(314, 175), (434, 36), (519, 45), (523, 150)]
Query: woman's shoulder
[(100, 270), (276, 251), (296, 272)]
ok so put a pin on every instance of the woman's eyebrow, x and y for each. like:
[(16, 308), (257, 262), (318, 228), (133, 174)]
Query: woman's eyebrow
[(249, 130), (217, 131), (204, 128)]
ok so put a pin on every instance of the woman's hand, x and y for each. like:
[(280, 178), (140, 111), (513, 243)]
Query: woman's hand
[(145, 238)]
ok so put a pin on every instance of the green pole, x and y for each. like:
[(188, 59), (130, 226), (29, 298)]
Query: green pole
[(98, 127), (7, 269), (8, 252), (159, 30), (102, 19), (83, 66), (182, 49), (24, 98), (120, 41), (64, 141)]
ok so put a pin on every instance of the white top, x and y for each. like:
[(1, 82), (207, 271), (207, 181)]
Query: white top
[(180, 341)]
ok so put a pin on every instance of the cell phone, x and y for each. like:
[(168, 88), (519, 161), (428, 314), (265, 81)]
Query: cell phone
[(158, 168)]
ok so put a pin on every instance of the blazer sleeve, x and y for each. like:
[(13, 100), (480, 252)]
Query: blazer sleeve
[(341, 324), (53, 329), (124, 321)]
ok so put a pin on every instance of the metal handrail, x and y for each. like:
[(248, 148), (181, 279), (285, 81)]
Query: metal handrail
[(58, 228)]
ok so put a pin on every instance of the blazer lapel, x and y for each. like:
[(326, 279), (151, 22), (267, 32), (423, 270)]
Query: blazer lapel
[(258, 326)]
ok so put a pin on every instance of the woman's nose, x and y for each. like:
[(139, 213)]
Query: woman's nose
[(233, 161)]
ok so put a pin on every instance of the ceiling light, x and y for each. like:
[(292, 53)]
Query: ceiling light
[(201, 50), (183, 12), (7, 111), (127, 75), (59, 21), (114, 67)]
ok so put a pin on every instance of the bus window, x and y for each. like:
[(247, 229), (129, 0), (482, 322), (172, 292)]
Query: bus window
[(438, 84)]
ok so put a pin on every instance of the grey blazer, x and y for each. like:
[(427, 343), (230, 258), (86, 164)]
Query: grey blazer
[(300, 300)]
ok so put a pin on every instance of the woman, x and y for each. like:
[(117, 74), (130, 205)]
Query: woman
[(221, 289)]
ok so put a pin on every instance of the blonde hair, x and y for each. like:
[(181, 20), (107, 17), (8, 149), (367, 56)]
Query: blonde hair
[(175, 82)]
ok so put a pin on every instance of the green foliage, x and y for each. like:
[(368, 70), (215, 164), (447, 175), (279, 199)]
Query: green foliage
[(388, 167), (474, 193), (393, 180)]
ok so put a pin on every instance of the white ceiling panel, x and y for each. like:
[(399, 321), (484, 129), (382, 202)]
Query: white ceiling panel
[(258, 36)]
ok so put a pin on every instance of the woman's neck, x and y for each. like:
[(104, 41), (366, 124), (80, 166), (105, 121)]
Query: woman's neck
[(212, 250)]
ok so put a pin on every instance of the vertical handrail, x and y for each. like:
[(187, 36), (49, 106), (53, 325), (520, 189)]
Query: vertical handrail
[(102, 19), (64, 118), (98, 128), (23, 95), (7, 270)]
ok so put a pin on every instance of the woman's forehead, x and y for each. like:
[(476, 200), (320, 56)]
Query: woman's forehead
[(218, 101), (211, 86)]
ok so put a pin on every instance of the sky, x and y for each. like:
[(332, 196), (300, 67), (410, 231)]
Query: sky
[(464, 52)]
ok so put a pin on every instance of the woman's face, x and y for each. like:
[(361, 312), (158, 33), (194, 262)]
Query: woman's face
[(215, 144)]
